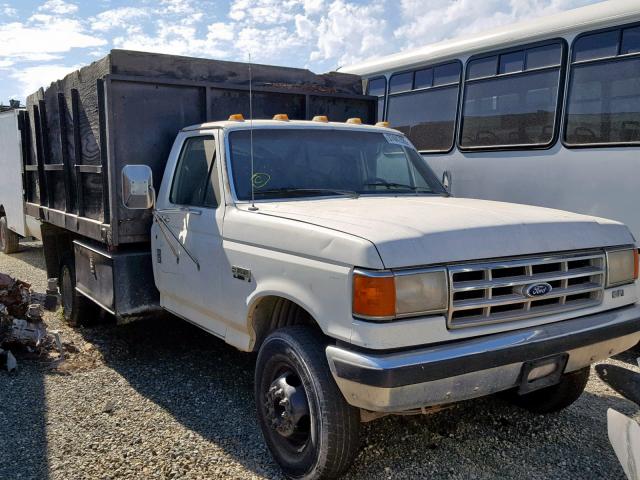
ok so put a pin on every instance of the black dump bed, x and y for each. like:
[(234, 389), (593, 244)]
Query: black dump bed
[(127, 108)]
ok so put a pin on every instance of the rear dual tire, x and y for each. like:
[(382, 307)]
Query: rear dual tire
[(76, 308), (311, 431)]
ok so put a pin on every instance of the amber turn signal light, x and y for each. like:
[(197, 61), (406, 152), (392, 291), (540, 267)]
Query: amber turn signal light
[(636, 260), (374, 296)]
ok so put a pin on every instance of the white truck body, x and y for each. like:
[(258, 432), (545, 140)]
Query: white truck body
[(333, 250), (11, 165), (307, 250)]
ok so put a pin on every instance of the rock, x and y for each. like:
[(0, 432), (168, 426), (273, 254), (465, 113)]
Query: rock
[(7, 360)]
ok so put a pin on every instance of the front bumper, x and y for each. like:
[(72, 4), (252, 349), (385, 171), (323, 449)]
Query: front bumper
[(460, 370)]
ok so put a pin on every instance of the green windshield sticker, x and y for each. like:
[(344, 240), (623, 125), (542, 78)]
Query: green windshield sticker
[(259, 180), (398, 139)]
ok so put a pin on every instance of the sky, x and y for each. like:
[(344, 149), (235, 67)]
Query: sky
[(43, 40)]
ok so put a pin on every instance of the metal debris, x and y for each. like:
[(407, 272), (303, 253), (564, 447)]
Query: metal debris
[(21, 325), (7, 361)]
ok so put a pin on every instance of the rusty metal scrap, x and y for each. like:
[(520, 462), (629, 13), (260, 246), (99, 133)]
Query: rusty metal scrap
[(21, 322), (14, 295)]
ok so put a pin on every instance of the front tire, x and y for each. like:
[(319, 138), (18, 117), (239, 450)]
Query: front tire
[(557, 397), (76, 308), (9, 240), (311, 431)]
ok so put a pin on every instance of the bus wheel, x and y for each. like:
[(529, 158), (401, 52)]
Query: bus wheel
[(76, 308), (9, 240), (311, 431)]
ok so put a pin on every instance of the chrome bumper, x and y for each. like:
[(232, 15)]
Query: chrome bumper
[(451, 372)]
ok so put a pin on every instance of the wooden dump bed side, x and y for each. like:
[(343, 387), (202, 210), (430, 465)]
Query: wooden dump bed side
[(127, 108)]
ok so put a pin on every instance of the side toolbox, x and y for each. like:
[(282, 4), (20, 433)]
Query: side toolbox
[(121, 282)]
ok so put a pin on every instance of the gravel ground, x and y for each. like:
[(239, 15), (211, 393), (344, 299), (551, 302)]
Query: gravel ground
[(162, 399)]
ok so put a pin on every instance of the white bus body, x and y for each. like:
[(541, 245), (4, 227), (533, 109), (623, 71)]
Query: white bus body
[(531, 135), (11, 166)]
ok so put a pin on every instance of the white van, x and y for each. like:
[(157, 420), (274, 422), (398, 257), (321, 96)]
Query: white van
[(14, 224)]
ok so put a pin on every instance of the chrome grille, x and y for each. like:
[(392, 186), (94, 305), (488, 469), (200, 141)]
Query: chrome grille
[(494, 292)]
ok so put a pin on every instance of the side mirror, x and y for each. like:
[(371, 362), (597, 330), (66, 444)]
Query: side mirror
[(447, 180), (137, 187)]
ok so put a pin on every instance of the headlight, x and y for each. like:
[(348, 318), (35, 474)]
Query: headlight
[(622, 266), (389, 295)]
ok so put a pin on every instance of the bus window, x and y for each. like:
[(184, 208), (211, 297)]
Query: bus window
[(377, 87), (630, 41), (424, 78), (512, 62), (427, 114), (599, 45), (603, 103), (401, 82), (483, 67), (515, 107), (545, 56)]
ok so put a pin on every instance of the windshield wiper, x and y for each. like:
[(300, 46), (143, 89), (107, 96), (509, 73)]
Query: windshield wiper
[(391, 185), (295, 190)]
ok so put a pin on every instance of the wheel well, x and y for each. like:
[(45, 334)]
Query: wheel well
[(272, 312)]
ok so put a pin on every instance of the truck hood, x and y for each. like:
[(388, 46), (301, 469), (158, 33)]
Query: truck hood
[(412, 231)]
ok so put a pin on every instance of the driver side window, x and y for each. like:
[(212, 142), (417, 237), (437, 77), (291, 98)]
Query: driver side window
[(194, 181)]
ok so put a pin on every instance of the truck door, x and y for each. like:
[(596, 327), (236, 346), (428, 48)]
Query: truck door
[(187, 235)]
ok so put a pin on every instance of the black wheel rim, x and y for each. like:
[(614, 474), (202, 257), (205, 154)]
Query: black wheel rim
[(67, 293), (286, 409)]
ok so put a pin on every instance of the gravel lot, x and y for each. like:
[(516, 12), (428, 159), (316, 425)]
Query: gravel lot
[(162, 399)]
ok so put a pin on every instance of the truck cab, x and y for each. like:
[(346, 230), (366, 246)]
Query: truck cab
[(333, 251)]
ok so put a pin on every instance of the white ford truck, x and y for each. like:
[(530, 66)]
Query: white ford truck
[(332, 250), (365, 286)]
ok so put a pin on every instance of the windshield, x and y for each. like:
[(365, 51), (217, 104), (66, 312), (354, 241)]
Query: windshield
[(317, 162)]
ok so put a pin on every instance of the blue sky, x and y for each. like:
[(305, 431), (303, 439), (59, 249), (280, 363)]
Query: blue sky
[(42, 40)]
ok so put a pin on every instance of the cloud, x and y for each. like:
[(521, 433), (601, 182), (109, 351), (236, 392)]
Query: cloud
[(30, 79), (446, 19), (220, 31), (173, 38), (43, 36), (350, 32), (58, 7), (312, 7), (123, 17), (264, 11), (177, 6), (7, 10)]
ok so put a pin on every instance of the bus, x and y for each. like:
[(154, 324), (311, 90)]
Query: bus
[(544, 112)]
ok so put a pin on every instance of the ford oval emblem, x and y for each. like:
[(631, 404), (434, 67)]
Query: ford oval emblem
[(538, 290)]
